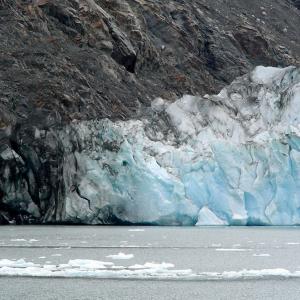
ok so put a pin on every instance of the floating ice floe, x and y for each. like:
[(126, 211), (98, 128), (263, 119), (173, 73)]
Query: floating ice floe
[(81, 268), (120, 256), (89, 264)]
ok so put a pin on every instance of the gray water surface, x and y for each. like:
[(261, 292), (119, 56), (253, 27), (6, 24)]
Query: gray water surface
[(201, 249)]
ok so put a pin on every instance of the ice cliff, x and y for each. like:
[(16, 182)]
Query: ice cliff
[(226, 159), (232, 158)]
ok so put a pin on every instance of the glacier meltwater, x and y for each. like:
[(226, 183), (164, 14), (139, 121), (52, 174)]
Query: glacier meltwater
[(226, 159)]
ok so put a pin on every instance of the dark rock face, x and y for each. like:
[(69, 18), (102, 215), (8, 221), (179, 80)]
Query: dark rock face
[(69, 61), (297, 3)]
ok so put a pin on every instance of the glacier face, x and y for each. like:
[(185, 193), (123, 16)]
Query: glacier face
[(226, 159)]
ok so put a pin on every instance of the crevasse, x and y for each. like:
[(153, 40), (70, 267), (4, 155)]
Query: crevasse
[(226, 159)]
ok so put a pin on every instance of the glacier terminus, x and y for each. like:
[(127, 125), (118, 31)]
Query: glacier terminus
[(226, 159)]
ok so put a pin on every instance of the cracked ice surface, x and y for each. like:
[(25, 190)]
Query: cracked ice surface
[(227, 159)]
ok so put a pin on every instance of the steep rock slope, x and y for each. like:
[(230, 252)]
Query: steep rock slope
[(69, 61)]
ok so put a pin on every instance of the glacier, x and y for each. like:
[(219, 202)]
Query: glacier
[(226, 159)]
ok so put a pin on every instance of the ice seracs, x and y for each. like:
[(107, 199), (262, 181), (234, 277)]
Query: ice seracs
[(226, 159)]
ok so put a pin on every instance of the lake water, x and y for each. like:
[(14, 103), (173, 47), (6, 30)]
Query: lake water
[(84, 262)]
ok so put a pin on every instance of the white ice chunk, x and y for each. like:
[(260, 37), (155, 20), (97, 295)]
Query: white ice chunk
[(89, 264), (158, 105), (96, 269), (120, 256), (207, 218)]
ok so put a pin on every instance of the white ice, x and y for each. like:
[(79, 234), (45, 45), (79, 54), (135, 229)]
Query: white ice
[(81, 268), (120, 256), (96, 269), (226, 159)]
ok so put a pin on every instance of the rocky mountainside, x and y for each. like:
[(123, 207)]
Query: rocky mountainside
[(66, 62)]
